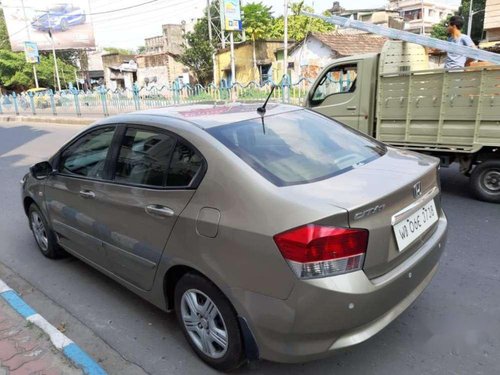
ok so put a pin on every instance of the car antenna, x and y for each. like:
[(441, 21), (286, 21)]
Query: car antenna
[(262, 110)]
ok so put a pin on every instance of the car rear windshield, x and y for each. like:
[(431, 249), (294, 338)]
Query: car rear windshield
[(297, 147)]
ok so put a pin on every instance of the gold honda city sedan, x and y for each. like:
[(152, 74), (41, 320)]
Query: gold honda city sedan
[(276, 234)]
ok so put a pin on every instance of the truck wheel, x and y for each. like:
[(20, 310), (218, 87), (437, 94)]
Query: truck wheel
[(485, 181), (209, 322)]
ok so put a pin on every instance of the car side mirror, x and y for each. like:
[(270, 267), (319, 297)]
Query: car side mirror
[(41, 170)]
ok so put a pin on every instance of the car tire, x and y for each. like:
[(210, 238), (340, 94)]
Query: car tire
[(44, 236), (194, 294), (485, 181), (64, 25)]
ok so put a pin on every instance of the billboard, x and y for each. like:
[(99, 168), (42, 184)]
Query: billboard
[(232, 15), (31, 52), (68, 22)]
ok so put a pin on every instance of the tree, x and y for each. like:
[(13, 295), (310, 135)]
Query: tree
[(298, 25), (197, 55), (4, 35), (257, 20), (17, 75), (477, 19), (439, 31), (198, 51), (121, 51)]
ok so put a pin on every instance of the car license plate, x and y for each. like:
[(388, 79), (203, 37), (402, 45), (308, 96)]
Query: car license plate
[(409, 229)]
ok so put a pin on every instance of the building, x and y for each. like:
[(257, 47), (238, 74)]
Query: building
[(91, 71), (158, 69), (244, 65), (420, 15), (317, 50), (159, 64), (171, 40), (492, 26), (377, 16), (155, 44), (120, 71)]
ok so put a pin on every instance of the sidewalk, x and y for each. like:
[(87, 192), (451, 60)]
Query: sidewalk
[(64, 120), (26, 349)]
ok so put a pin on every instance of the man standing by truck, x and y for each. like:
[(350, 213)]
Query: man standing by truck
[(454, 27)]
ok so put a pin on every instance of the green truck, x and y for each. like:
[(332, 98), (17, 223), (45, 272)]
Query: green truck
[(394, 97)]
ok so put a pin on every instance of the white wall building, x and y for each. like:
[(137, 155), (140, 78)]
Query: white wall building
[(420, 15), (309, 57)]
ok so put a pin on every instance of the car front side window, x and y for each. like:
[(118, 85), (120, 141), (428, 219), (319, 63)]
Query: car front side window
[(87, 156)]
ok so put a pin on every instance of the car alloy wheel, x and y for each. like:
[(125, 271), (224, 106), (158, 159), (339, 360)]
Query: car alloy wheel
[(39, 231), (204, 323)]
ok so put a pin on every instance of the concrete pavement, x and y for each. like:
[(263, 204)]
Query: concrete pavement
[(40, 119), (26, 349)]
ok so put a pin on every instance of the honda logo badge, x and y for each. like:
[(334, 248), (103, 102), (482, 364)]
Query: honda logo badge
[(417, 190)]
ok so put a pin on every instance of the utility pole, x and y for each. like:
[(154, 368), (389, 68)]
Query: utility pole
[(422, 11), (54, 52), (222, 24), (469, 24), (471, 14), (285, 44), (29, 37), (233, 68), (209, 16)]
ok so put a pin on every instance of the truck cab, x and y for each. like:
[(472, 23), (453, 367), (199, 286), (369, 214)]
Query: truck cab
[(343, 92)]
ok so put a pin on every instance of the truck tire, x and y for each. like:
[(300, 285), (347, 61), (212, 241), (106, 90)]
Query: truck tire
[(485, 181)]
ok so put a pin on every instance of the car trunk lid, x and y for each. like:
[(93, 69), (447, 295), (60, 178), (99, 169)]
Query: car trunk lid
[(373, 194)]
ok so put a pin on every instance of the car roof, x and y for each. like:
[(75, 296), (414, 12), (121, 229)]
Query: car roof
[(209, 115)]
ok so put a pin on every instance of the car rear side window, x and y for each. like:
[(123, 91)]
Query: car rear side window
[(185, 165), (144, 157), (87, 156), (297, 147)]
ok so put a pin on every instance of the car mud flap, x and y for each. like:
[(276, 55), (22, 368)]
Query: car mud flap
[(251, 348)]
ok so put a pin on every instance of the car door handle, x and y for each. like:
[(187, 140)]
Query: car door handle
[(353, 108), (158, 210), (87, 194)]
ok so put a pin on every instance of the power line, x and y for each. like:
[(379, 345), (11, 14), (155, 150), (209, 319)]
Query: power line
[(169, 6), (121, 9)]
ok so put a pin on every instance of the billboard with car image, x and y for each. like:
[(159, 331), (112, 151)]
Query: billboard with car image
[(36, 20)]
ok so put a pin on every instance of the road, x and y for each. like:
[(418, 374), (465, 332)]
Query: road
[(453, 328)]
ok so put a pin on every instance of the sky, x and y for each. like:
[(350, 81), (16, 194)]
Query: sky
[(128, 28)]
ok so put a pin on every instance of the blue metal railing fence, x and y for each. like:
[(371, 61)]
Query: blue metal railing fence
[(105, 102)]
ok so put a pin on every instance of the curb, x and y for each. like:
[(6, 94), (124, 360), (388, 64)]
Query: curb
[(48, 119), (70, 350)]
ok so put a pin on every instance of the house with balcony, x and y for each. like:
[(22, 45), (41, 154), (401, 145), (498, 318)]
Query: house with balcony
[(492, 26), (420, 15)]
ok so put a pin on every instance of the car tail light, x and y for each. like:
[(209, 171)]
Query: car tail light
[(317, 251)]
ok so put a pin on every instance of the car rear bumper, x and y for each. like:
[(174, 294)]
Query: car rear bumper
[(323, 315)]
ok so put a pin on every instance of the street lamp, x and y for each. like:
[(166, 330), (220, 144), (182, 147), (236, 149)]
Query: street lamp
[(471, 13)]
